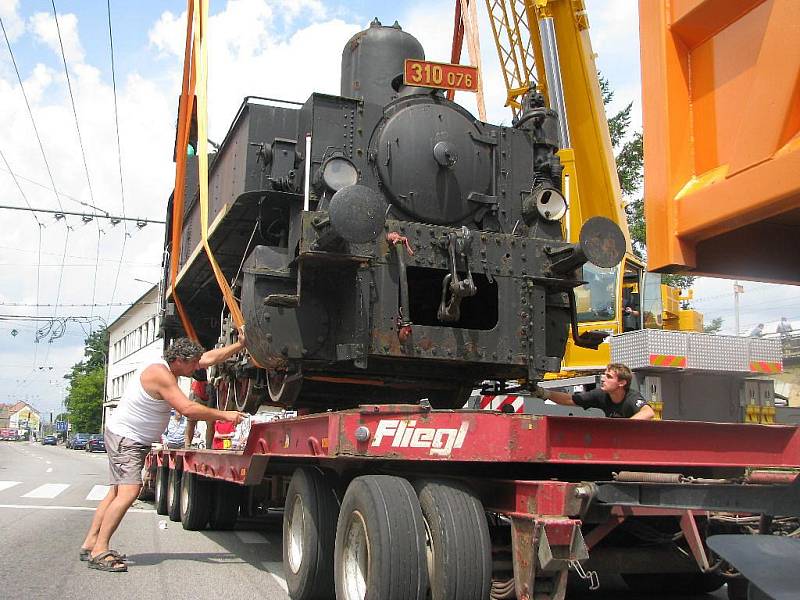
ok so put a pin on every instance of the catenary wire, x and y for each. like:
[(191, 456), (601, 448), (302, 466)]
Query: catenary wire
[(119, 155), (39, 228), (80, 143)]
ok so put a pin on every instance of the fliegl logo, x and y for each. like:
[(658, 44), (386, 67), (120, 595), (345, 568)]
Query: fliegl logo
[(405, 434)]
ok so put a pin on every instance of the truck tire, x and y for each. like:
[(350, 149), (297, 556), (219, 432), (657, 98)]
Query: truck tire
[(195, 501), (225, 502), (458, 546), (380, 542), (161, 489), (308, 535), (674, 583), (174, 495)]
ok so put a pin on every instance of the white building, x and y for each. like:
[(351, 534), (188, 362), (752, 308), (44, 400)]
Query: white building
[(132, 340)]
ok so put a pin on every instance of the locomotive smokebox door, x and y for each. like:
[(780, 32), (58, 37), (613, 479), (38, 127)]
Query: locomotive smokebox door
[(430, 156)]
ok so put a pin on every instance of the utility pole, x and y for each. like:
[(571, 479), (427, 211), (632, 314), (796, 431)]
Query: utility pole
[(737, 289)]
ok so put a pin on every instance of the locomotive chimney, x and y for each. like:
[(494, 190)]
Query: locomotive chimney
[(375, 56)]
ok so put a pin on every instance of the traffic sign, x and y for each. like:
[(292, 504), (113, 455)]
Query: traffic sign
[(61, 425)]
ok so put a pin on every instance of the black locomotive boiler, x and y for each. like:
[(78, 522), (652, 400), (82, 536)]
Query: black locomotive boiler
[(385, 245)]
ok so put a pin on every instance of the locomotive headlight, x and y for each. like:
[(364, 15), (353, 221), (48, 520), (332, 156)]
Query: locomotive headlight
[(550, 203), (338, 172)]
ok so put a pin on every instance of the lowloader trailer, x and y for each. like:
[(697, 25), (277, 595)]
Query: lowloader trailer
[(389, 501)]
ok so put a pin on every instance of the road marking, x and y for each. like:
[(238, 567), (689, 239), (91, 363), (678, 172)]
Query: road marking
[(251, 537), (98, 492), (276, 570), (49, 470), (89, 508), (4, 485), (48, 490)]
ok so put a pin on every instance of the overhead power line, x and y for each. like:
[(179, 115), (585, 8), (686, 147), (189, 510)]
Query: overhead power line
[(119, 152), (80, 143), (87, 217), (30, 112)]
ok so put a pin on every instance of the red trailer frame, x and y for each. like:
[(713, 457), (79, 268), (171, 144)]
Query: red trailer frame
[(668, 469)]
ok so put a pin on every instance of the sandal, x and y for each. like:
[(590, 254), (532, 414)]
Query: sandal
[(110, 561), (86, 553)]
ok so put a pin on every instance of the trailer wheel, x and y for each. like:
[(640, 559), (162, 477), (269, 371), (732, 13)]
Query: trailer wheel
[(162, 489), (674, 583), (380, 541), (195, 501), (174, 495), (308, 535), (458, 547), (225, 505)]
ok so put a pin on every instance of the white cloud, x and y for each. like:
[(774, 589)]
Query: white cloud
[(44, 28), (12, 22)]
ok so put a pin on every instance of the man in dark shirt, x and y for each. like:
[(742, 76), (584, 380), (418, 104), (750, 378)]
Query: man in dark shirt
[(614, 396)]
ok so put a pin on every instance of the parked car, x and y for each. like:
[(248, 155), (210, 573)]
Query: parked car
[(78, 441), (49, 440), (8, 435), (96, 443)]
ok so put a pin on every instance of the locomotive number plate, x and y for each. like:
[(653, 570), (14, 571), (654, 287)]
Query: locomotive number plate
[(446, 76)]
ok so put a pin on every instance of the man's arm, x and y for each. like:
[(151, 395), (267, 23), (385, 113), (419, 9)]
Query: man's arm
[(159, 382), (557, 397), (645, 413), (218, 355)]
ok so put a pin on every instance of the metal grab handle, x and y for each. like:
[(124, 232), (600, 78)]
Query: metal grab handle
[(459, 288)]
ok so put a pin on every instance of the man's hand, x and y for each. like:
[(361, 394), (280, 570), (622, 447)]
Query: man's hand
[(242, 338), (542, 393), (234, 416)]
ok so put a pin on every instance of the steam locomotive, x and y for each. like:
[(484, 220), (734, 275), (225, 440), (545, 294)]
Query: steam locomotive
[(385, 245)]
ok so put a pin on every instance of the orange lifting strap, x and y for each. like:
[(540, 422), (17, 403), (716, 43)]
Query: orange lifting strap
[(195, 81)]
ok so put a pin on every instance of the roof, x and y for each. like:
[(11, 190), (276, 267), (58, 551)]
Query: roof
[(134, 304)]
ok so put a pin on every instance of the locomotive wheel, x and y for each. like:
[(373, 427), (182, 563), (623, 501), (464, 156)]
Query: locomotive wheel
[(283, 387), (308, 538), (195, 501), (458, 547), (224, 394), (380, 541), (161, 489), (248, 394), (174, 495)]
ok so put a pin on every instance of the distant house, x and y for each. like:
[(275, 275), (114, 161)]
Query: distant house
[(132, 340), (23, 417)]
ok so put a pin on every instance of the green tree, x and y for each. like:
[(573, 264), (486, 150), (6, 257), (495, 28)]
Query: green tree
[(630, 169), (86, 382), (714, 327)]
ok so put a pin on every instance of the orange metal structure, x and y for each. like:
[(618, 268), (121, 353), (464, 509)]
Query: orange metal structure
[(721, 111)]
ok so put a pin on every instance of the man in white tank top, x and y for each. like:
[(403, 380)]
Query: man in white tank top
[(137, 422)]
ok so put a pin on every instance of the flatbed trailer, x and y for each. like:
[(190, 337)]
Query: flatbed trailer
[(503, 504)]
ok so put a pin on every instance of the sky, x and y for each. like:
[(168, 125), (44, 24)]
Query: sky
[(278, 48)]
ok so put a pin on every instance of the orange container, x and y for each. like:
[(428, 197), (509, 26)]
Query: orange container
[(721, 111)]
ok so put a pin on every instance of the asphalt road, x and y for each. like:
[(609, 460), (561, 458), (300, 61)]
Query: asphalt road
[(47, 496)]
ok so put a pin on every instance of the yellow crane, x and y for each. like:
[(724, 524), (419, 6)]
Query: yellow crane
[(544, 45)]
